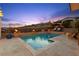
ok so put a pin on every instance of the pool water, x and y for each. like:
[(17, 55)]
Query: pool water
[(39, 40)]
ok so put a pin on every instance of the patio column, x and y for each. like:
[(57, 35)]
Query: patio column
[(1, 15), (0, 27)]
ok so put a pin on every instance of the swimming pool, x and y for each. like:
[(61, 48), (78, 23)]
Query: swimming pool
[(37, 41)]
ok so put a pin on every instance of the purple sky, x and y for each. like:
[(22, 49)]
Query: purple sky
[(33, 13)]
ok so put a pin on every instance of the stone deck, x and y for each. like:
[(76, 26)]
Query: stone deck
[(13, 47), (61, 47)]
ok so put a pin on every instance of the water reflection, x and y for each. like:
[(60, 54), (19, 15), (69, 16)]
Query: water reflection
[(39, 40)]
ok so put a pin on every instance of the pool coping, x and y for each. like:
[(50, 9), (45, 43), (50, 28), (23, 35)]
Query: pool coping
[(28, 46)]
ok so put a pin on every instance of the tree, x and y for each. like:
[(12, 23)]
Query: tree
[(67, 23)]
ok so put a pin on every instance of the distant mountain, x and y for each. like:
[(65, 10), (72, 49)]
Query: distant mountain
[(10, 23)]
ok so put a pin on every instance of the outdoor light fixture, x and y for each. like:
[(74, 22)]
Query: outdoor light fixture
[(16, 30)]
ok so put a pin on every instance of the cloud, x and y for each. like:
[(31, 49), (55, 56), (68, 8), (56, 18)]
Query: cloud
[(11, 23), (30, 21)]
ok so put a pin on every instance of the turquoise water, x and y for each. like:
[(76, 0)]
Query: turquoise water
[(39, 40)]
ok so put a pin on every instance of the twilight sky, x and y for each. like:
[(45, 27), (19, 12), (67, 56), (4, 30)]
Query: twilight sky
[(32, 13)]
